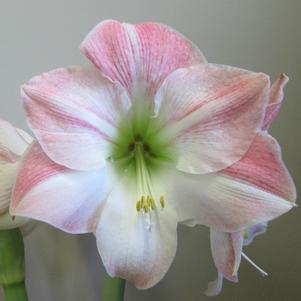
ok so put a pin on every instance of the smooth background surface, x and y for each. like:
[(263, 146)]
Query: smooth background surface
[(261, 35)]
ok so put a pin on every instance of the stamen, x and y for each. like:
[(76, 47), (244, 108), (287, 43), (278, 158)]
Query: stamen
[(162, 201), (138, 206), (153, 205), (261, 271), (147, 203)]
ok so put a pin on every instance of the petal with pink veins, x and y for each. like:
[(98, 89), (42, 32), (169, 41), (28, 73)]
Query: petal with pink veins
[(256, 189), (275, 99), (128, 248), (262, 167), (214, 112), (67, 199), (74, 114), (139, 56)]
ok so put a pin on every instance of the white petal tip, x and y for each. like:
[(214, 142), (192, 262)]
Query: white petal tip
[(215, 287)]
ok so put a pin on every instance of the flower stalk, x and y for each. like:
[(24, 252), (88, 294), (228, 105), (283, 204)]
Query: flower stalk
[(113, 289), (12, 265)]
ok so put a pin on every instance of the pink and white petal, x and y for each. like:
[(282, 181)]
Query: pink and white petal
[(226, 250), (67, 199), (263, 168), (214, 112), (215, 287), (250, 192), (223, 203), (74, 113), (275, 99), (8, 173), (254, 231), (9, 222), (128, 247), (139, 55), (12, 142)]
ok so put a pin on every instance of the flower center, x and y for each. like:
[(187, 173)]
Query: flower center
[(143, 151)]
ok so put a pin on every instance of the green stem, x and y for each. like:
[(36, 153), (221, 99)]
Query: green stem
[(15, 292), (113, 289), (12, 265)]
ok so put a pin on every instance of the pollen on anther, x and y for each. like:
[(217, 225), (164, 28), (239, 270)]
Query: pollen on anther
[(162, 201), (148, 204), (152, 203), (138, 206), (148, 201), (146, 208)]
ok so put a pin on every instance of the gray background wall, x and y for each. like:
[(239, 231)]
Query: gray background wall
[(261, 35)]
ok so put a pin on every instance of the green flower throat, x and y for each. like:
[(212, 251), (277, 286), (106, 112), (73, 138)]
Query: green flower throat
[(142, 150), (141, 142)]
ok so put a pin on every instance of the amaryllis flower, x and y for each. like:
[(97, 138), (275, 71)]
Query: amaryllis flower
[(13, 144), (227, 247), (138, 142)]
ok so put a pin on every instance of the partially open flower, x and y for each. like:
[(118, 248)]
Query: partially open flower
[(13, 144), (142, 140)]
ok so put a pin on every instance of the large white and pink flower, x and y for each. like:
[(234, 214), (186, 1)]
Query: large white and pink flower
[(149, 136)]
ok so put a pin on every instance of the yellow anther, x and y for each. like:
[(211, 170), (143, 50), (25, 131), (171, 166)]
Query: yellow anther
[(138, 206), (152, 203), (145, 208), (162, 201), (148, 201)]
